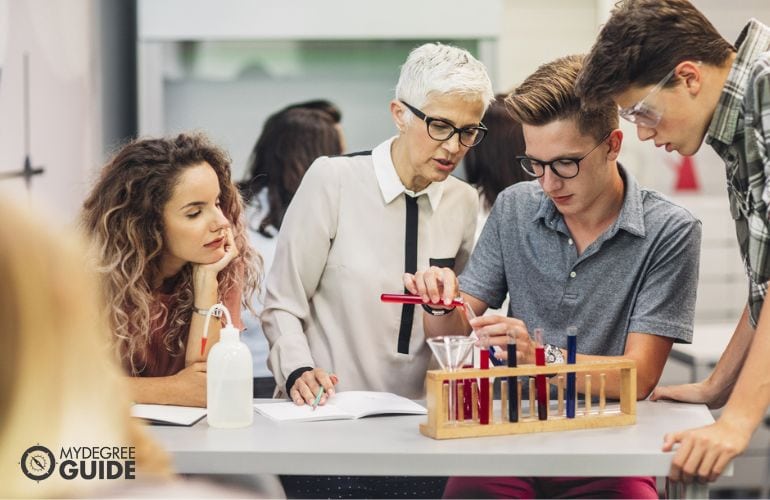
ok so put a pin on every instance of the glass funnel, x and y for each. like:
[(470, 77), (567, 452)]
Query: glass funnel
[(451, 351)]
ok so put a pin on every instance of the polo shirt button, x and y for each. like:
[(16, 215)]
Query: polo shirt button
[(570, 241), (572, 274)]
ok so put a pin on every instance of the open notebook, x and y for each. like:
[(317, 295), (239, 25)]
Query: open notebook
[(168, 414), (341, 406)]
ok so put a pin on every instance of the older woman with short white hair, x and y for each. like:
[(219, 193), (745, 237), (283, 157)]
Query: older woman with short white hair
[(359, 221)]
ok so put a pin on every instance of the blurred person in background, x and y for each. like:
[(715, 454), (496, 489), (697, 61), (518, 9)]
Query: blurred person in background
[(492, 166), (291, 140), (327, 107)]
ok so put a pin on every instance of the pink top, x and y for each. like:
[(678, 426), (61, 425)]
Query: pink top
[(158, 360)]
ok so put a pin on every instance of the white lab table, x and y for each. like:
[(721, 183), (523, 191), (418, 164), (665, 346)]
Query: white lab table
[(393, 445)]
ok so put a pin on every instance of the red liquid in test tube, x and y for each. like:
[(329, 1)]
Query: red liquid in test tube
[(540, 382), (467, 385), (484, 388)]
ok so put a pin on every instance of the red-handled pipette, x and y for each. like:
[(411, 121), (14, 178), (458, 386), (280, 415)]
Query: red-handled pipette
[(400, 298)]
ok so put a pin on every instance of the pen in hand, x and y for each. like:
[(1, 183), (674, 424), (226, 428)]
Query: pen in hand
[(318, 397), (321, 391)]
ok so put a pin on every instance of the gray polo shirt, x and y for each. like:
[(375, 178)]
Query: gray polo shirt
[(640, 275)]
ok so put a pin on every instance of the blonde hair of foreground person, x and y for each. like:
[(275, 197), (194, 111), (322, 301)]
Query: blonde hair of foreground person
[(60, 385)]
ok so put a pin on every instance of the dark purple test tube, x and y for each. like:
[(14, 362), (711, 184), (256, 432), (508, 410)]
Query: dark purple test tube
[(513, 383)]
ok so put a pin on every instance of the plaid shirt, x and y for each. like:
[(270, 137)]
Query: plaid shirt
[(740, 134)]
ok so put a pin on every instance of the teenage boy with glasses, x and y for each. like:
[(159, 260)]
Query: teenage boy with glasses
[(582, 246), (707, 89)]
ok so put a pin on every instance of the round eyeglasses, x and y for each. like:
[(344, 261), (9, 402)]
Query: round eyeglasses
[(566, 168), (441, 130)]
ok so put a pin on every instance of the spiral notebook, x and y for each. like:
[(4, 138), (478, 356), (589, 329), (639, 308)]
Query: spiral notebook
[(346, 405)]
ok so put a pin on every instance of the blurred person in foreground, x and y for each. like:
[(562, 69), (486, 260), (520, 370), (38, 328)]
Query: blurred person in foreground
[(60, 385)]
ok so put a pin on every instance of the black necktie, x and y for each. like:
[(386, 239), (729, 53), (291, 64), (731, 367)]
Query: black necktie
[(410, 266)]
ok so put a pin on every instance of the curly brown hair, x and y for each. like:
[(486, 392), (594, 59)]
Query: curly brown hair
[(123, 215)]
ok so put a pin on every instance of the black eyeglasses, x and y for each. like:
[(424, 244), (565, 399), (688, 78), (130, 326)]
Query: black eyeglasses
[(442, 130), (566, 168)]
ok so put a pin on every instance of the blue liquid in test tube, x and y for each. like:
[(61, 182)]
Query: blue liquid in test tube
[(513, 384), (571, 359)]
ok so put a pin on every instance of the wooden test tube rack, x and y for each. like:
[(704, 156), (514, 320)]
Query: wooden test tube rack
[(438, 427)]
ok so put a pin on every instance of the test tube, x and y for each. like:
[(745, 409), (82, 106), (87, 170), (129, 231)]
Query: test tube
[(513, 382), (467, 398), (602, 400), (587, 386), (532, 404), (571, 358), (484, 385), (540, 382), (504, 400)]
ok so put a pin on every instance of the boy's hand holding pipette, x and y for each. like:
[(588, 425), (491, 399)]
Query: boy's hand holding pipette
[(309, 385), (497, 329)]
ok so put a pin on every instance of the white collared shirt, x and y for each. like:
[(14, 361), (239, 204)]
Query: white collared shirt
[(391, 185), (340, 246)]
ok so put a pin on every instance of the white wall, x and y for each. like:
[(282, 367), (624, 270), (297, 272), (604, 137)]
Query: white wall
[(227, 65), (535, 32), (66, 90), (64, 111)]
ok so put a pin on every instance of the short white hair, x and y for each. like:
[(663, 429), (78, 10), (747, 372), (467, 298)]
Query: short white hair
[(435, 68)]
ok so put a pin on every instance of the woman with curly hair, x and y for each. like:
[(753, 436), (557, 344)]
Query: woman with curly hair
[(166, 224)]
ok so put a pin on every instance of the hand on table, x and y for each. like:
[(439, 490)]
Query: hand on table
[(190, 385), (703, 453), (700, 392)]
